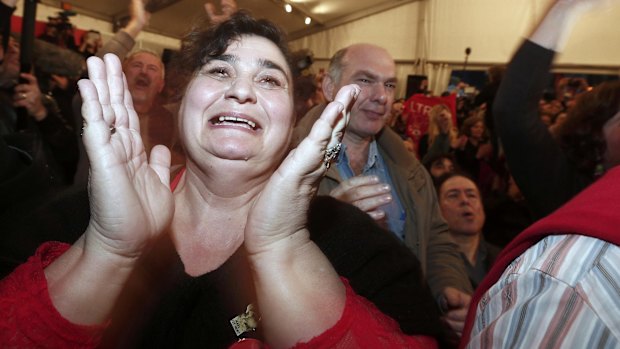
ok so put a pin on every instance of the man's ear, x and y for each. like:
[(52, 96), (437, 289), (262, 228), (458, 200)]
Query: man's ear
[(328, 85)]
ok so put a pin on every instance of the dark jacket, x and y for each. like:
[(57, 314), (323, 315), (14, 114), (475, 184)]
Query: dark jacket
[(546, 176)]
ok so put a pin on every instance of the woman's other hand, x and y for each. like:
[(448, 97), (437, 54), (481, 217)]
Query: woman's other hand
[(130, 200), (130, 197)]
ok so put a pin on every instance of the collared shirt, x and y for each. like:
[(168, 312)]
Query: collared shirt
[(561, 293), (485, 255), (375, 166)]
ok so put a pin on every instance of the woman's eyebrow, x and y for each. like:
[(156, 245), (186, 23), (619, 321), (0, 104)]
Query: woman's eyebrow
[(263, 63), (224, 57), (269, 64)]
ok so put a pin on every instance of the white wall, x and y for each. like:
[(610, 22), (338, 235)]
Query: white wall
[(439, 31), (494, 28)]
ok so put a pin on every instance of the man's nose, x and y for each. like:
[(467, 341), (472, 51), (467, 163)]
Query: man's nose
[(464, 198), (380, 94)]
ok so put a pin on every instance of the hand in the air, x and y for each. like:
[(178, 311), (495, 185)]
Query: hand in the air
[(130, 196), (280, 210)]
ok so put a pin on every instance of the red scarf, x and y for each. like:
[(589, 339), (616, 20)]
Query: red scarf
[(594, 212)]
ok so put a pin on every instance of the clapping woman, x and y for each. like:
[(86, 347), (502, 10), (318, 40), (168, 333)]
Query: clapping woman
[(234, 219)]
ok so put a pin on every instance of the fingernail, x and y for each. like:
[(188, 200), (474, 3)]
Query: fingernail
[(377, 214), (340, 107)]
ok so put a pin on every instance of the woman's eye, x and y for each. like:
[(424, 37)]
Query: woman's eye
[(218, 71), (270, 81)]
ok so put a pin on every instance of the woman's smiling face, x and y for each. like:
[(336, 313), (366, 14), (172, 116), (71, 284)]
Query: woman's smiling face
[(239, 106)]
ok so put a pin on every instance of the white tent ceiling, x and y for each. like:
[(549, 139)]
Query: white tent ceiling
[(173, 20), (434, 32)]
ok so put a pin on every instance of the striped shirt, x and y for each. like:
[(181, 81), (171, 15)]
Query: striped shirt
[(563, 292)]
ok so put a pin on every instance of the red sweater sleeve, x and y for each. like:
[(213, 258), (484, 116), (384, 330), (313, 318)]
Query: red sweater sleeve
[(362, 325), (29, 319)]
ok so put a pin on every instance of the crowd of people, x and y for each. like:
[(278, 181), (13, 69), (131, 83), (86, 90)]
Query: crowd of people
[(234, 199)]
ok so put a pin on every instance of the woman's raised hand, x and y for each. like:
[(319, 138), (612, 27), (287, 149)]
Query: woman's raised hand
[(130, 197), (281, 209), (286, 264)]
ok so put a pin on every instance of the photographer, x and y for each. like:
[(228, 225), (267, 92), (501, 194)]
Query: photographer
[(35, 142), (59, 31), (91, 42)]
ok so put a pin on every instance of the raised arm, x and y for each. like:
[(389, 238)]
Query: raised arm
[(540, 167), (124, 40), (287, 265), (130, 200), (553, 30), (299, 293), (130, 203)]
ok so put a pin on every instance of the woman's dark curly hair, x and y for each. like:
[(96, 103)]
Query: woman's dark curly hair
[(204, 42), (581, 135)]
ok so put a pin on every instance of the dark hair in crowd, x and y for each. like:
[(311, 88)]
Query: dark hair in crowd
[(470, 122), (205, 42), (581, 135), (457, 173)]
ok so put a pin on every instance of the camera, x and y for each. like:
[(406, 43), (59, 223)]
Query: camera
[(302, 60)]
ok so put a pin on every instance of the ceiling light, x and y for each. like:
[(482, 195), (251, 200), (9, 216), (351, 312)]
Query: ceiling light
[(288, 8), (308, 20)]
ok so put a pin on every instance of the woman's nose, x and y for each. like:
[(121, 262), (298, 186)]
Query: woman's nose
[(241, 90)]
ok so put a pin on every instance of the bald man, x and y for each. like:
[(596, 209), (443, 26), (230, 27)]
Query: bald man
[(375, 172)]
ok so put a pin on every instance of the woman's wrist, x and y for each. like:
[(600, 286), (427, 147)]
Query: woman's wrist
[(84, 283)]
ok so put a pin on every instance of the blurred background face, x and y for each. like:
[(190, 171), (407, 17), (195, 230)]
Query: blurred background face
[(459, 200), (397, 108), (145, 76), (92, 39), (444, 120), (440, 167), (477, 130)]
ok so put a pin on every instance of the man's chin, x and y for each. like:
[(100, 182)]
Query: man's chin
[(139, 96)]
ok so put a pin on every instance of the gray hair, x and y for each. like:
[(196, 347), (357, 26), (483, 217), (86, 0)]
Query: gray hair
[(130, 57), (337, 65)]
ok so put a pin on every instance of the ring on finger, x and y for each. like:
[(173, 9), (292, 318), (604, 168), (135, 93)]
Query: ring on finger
[(331, 153)]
